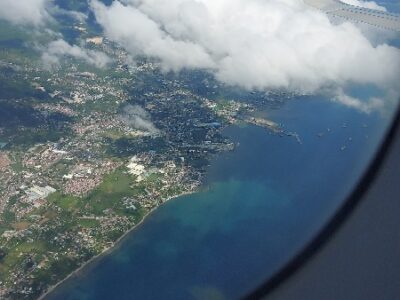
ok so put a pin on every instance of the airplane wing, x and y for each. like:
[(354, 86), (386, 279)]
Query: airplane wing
[(337, 9)]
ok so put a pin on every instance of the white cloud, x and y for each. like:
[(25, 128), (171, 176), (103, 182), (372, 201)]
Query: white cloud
[(366, 106), (34, 12), (24, 12), (76, 15), (365, 4), (60, 48), (255, 44), (136, 117), (139, 34)]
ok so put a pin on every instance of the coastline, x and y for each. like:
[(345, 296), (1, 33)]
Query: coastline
[(116, 244)]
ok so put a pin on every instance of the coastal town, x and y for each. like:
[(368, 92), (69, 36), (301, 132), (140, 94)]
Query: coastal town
[(92, 152)]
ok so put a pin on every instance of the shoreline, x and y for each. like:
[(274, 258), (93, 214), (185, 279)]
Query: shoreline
[(115, 245), (119, 241)]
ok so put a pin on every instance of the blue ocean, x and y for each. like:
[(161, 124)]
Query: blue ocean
[(260, 205)]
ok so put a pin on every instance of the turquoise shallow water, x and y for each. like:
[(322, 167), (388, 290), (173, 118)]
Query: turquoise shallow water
[(260, 205)]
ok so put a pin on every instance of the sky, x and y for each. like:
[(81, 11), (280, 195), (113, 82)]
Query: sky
[(254, 44)]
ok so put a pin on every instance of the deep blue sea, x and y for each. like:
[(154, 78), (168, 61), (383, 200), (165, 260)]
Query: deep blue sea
[(260, 205)]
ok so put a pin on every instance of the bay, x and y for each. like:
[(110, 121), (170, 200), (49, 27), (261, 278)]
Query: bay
[(260, 205)]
